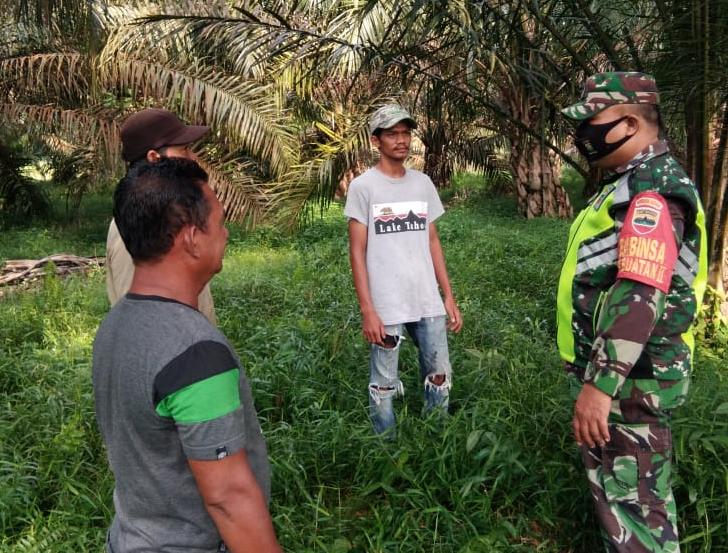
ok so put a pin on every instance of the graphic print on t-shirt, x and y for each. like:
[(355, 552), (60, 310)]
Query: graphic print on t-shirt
[(399, 217)]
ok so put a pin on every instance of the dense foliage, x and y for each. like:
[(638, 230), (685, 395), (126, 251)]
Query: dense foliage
[(501, 474)]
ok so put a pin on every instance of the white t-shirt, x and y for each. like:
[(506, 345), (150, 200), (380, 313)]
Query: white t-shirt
[(398, 213)]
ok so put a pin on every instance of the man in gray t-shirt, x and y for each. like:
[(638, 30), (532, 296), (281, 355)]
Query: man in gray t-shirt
[(172, 401), (397, 263)]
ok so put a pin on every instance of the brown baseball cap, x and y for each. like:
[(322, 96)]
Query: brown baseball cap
[(151, 129)]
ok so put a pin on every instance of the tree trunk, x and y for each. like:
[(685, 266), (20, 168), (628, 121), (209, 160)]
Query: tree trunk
[(349, 175), (536, 176), (435, 137), (437, 164), (716, 206), (698, 104), (535, 169)]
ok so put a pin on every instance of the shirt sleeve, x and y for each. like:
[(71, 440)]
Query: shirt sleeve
[(119, 266), (633, 305), (357, 203), (435, 209), (200, 391)]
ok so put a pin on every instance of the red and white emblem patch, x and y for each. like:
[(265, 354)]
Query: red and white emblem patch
[(647, 247), (646, 214)]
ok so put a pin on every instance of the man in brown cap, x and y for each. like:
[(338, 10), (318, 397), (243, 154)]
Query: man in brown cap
[(630, 287), (149, 135)]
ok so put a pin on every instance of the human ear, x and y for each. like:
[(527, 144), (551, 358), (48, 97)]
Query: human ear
[(633, 124), (153, 156), (189, 236)]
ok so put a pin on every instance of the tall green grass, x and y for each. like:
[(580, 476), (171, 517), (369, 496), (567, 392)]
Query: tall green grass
[(501, 474)]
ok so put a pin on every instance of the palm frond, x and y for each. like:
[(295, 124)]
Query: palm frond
[(19, 196), (111, 17), (240, 112), (95, 128), (61, 76), (479, 154), (163, 31), (243, 194), (334, 153)]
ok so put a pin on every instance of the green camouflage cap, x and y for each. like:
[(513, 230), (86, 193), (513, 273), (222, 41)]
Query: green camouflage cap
[(608, 89), (388, 116)]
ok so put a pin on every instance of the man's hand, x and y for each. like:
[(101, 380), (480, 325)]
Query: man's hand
[(454, 318), (372, 328), (591, 412)]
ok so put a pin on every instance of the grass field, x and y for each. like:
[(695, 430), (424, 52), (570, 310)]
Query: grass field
[(501, 474)]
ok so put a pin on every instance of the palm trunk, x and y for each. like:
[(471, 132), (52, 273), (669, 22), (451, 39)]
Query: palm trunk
[(437, 164), (717, 205), (697, 107), (536, 176), (534, 168)]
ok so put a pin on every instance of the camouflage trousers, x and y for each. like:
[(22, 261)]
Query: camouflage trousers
[(630, 477)]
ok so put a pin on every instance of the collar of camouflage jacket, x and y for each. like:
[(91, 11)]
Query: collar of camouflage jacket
[(653, 150)]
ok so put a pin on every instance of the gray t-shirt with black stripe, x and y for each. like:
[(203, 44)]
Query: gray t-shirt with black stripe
[(168, 388)]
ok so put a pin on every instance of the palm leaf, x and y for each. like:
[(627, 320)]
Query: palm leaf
[(243, 194), (62, 75), (19, 196), (317, 179), (240, 112), (95, 128)]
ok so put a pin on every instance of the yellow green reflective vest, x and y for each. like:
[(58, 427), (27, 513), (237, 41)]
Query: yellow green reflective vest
[(590, 267)]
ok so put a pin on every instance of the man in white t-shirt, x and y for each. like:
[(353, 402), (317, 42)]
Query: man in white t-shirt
[(397, 263)]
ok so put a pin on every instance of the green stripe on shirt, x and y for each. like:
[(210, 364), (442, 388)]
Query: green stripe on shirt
[(205, 400)]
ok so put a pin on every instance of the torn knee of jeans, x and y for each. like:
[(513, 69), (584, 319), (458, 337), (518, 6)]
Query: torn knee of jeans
[(379, 392), (438, 381), (391, 341)]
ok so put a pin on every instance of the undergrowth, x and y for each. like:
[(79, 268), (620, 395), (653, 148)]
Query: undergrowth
[(501, 474)]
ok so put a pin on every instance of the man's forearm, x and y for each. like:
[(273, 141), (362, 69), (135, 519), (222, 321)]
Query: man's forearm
[(244, 523), (361, 282), (438, 262), (236, 504), (357, 257)]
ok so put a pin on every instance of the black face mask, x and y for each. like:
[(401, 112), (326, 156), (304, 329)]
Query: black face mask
[(590, 139)]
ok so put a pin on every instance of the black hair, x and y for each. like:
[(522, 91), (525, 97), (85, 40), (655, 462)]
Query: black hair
[(155, 200)]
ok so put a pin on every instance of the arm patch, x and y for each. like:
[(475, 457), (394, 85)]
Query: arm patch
[(647, 248)]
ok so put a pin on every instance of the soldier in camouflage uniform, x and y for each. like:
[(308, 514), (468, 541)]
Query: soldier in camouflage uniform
[(633, 278)]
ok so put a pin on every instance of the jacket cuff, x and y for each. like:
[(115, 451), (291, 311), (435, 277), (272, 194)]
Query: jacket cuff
[(608, 381)]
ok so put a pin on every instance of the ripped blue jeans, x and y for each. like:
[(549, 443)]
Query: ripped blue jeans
[(430, 336)]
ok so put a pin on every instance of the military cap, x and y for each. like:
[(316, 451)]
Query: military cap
[(616, 87), (388, 116)]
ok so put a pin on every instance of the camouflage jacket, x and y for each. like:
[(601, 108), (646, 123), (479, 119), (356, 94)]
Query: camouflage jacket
[(616, 318)]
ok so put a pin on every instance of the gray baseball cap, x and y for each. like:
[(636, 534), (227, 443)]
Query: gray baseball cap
[(388, 116)]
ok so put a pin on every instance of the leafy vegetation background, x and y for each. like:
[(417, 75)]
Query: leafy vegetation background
[(501, 474)]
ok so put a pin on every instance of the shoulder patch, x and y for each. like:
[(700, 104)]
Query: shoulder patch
[(647, 247), (646, 213)]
